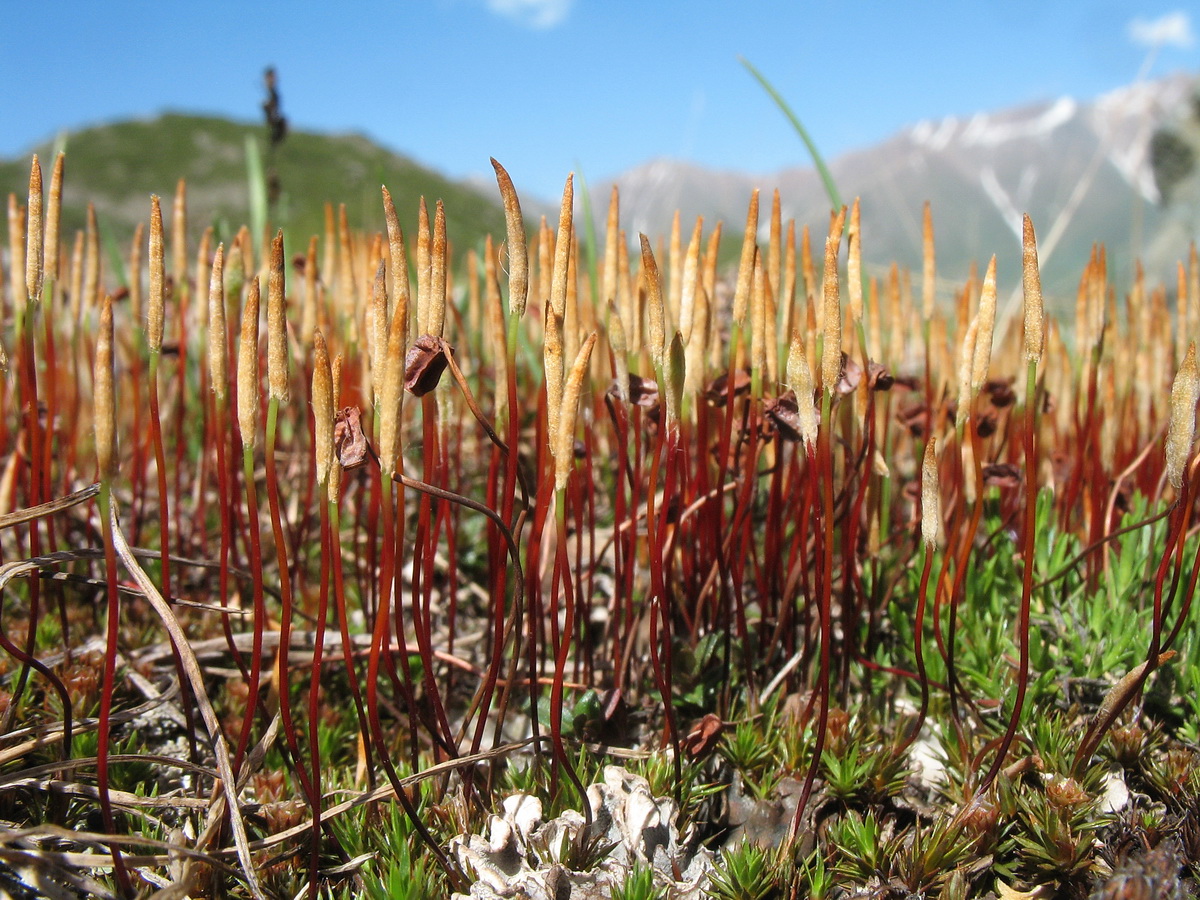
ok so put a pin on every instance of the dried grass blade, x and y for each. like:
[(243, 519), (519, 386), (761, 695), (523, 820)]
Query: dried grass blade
[(49, 508), (196, 678)]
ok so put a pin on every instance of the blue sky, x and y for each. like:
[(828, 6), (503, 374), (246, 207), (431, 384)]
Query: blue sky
[(597, 86)]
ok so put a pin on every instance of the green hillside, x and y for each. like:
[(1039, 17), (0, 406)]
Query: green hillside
[(119, 166)]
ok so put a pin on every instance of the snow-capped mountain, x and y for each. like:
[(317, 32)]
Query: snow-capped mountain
[(1080, 169)]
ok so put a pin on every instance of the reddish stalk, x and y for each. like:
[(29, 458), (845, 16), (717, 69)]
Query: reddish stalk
[(34, 455), (511, 478), (247, 381), (380, 640), (331, 571), (380, 636), (1086, 432), (918, 648), (314, 711), (1175, 537), (965, 544), (499, 569), (48, 450), (624, 541), (930, 520), (797, 591), (1029, 443), (853, 591), (533, 602), (562, 580), (720, 535), (499, 588), (824, 459), (312, 789), (160, 462), (154, 335), (181, 407), (260, 612), (448, 516), (225, 500), (740, 527), (1034, 344), (585, 521), (770, 576), (425, 546), (1188, 595), (106, 464), (661, 654), (374, 561), (137, 486)]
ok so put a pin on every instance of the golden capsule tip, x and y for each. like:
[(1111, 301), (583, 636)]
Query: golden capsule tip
[(930, 501), (322, 401), (277, 351), (104, 405), (563, 448), (1185, 392), (248, 369), (800, 379), (1035, 337), (831, 345)]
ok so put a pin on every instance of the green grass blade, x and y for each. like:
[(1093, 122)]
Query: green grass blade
[(589, 245), (831, 190), (256, 180)]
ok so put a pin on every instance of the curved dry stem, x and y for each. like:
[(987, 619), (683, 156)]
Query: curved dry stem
[(50, 507), (196, 679)]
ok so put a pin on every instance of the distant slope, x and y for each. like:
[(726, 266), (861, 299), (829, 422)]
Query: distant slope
[(118, 167), (1081, 170)]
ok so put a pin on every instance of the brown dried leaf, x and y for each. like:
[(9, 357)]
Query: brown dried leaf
[(703, 737), (349, 441), (1001, 475), (1000, 392), (423, 366), (850, 377), (878, 377), (643, 391), (718, 389), (783, 412), (652, 419), (914, 417)]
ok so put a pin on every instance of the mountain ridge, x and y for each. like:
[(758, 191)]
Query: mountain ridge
[(1079, 168), (118, 165)]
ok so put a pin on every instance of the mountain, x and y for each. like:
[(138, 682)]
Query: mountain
[(118, 166), (1081, 170)]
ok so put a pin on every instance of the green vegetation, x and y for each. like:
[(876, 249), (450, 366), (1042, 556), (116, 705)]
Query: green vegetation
[(117, 167)]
